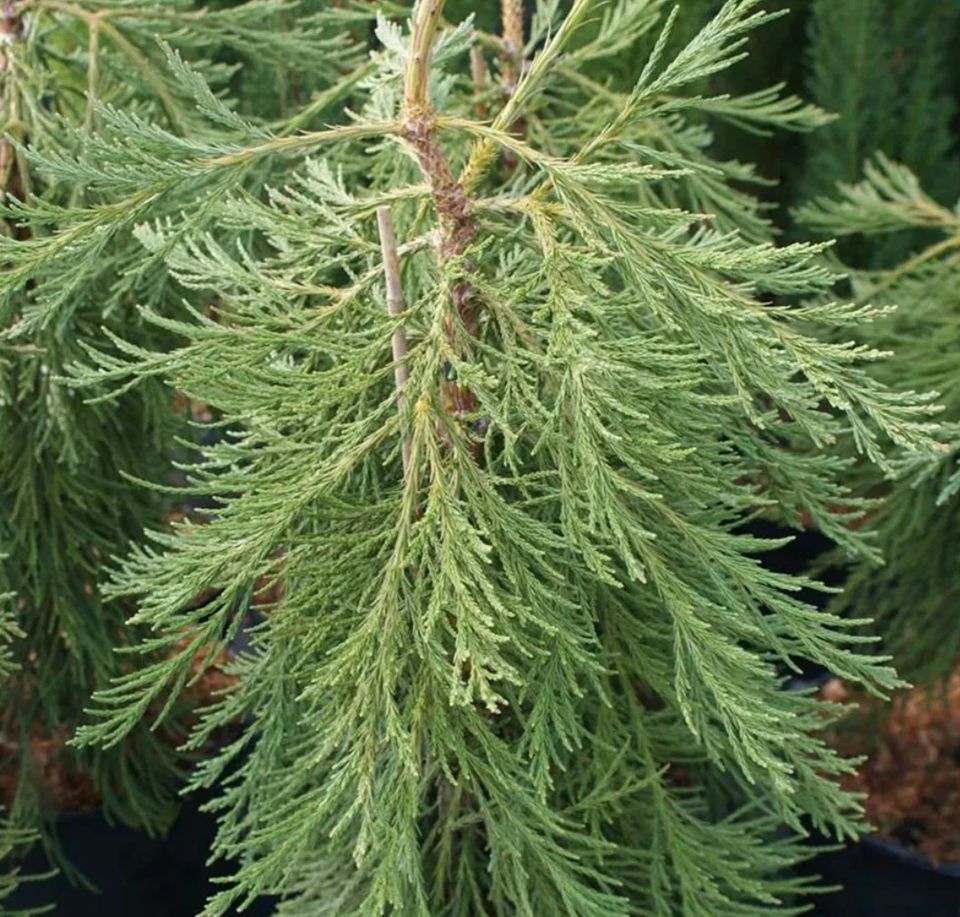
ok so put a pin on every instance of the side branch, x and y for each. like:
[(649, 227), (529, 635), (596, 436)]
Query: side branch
[(529, 84)]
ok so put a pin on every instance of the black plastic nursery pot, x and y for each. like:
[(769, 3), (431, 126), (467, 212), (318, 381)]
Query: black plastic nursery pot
[(881, 878), (132, 872), (135, 875)]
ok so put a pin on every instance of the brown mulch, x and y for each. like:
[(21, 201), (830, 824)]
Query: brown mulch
[(61, 787), (912, 775)]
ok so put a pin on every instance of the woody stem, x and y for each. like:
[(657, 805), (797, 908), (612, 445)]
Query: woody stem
[(512, 19), (453, 207), (395, 306)]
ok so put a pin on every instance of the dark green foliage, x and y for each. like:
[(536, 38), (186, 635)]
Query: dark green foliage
[(914, 594), (13, 838), (884, 67)]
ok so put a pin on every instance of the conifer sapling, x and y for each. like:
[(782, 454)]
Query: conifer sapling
[(516, 639)]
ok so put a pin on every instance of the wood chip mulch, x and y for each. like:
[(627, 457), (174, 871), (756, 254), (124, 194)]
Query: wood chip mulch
[(912, 775)]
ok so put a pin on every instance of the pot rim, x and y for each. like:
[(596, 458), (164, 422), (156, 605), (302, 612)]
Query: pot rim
[(897, 851)]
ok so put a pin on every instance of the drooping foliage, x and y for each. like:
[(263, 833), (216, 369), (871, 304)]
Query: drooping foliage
[(507, 360), (13, 838), (914, 593), (68, 498)]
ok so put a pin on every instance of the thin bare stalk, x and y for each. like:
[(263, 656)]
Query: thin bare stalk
[(512, 18), (93, 72), (396, 307), (481, 78)]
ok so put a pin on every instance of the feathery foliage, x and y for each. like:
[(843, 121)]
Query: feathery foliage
[(884, 69), (913, 595), (12, 837), (67, 500), (494, 473)]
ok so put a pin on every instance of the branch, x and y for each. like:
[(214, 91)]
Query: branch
[(512, 17), (395, 306), (421, 47), (452, 204), (530, 83)]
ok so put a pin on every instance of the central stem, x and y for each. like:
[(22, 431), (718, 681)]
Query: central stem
[(450, 199), (457, 226)]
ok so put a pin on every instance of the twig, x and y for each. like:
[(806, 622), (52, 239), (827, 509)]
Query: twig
[(512, 18), (480, 76), (395, 306), (485, 151)]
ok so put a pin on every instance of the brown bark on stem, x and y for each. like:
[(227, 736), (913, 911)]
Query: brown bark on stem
[(513, 63), (457, 226), (481, 77)]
